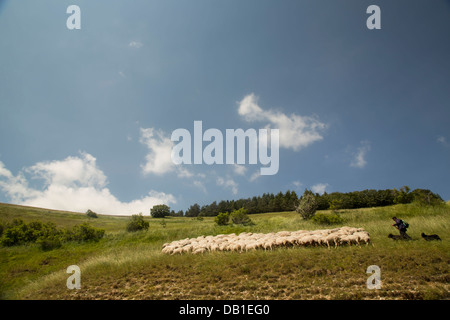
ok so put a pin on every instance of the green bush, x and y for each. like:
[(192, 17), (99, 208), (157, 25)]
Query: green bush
[(222, 218), (307, 205), (327, 219), (18, 232), (241, 217), (137, 223), (91, 214), (50, 243), (84, 232), (46, 234), (160, 211)]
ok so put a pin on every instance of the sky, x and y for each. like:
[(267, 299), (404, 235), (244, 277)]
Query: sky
[(86, 115)]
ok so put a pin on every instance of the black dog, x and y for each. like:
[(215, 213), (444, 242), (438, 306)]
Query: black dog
[(430, 237)]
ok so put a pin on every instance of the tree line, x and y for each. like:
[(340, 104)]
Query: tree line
[(288, 201)]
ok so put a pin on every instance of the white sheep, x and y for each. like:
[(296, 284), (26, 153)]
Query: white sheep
[(199, 250), (332, 238), (349, 239), (246, 241), (177, 251), (363, 236)]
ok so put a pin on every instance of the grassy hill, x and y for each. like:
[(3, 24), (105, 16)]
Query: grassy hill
[(126, 265)]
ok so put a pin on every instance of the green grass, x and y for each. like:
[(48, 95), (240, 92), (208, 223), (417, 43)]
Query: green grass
[(131, 266)]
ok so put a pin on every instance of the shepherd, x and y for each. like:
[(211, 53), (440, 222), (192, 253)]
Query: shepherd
[(402, 226)]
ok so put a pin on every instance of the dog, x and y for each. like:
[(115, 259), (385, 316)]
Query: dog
[(431, 237)]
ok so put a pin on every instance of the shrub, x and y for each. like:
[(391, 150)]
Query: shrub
[(160, 211), (307, 205), (91, 214), (50, 243), (222, 218), (137, 223), (241, 217), (327, 219), (46, 234), (84, 232), (18, 232)]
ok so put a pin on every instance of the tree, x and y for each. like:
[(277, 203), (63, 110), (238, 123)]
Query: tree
[(137, 223), (426, 197), (335, 205), (160, 211), (91, 214), (403, 196), (193, 211), (307, 205), (240, 216), (222, 218)]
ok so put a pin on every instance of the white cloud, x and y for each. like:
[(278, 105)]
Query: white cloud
[(239, 169), (442, 140), (359, 160), (158, 158), (319, 188), (73, 184), (72, 171), (135, 44), (184, 173), (200, 185), (228, 183), (297, 184), (255, 176), (296, 132)]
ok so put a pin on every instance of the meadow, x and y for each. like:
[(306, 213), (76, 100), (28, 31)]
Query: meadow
[(130, 265)]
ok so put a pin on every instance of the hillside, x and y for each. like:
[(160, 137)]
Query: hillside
[(126, 265)]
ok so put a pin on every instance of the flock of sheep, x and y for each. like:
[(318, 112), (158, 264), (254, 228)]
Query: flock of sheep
[(246, 241)]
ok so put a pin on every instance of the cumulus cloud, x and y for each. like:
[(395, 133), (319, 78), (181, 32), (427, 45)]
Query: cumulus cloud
[(319, 188), (228, 183), (359, 160), (296, 132), (255, 176), (158, 158), (199, 184), (442, 140), (297, 184), (239, 169), (73, 184), (135, 44)]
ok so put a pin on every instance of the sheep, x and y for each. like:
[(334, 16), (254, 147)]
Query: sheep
[(305, 241), (363, 236), (332, 238), (250, 246), (283, 233), (177, 251), (269, 243), (279, 241), (349, 239), (199, 250), (246, 241), (214, 247)]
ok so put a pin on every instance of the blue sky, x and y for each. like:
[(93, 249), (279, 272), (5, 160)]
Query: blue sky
[(86, 115)]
